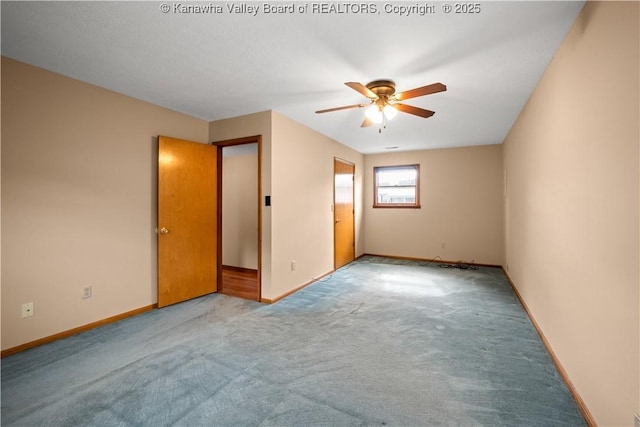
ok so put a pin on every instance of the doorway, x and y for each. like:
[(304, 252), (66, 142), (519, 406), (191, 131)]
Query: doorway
[(343, 212), (239, 222)]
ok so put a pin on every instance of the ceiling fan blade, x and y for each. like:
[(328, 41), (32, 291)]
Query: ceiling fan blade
[(414, 110), (359, 87), (420, 91), (346, 107), (366, 123)]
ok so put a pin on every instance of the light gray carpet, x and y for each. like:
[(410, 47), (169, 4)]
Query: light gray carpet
[(379, 342)]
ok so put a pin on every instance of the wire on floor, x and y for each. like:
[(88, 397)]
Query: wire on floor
[(462, 265), (432, 260)]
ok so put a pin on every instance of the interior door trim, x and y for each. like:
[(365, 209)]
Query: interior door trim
[(257, 139)]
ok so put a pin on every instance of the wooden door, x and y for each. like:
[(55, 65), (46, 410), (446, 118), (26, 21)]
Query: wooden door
[(343, 213), (187, 220)]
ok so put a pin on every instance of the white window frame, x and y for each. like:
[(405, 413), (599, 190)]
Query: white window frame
[(376, 186)]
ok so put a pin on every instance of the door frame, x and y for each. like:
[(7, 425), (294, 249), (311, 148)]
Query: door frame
[(353, 213), (255, 139)]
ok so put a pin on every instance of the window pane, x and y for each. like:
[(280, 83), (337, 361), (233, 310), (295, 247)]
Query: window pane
[(343, 188), (397, 186), (395, 195), (392, 177)]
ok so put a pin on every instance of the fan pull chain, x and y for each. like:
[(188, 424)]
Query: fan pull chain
[(383, 124)]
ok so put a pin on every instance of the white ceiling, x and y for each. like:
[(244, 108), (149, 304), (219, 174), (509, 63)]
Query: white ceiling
[(222, 65)]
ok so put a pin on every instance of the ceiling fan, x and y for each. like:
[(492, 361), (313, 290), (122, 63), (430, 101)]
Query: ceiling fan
[(384, 102)]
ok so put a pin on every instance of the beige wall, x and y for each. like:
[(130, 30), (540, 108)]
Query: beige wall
[(241, 127), (461, 207), (302, 184), (0, 207), (571, 223), (78, 200), (240, 209), (78, 204), (297, 173)]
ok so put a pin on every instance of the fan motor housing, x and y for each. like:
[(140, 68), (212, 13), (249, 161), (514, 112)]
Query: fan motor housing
[(382, 88)]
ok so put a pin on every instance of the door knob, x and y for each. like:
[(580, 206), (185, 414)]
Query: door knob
[(164, 230), (337, 220)]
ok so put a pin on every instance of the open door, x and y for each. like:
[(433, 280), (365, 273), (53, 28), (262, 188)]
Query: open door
[(187, 220), (343, 213)]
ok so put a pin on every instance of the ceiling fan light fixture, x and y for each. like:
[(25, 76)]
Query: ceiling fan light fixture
[(384, 103), (389, 111), (374, 113)]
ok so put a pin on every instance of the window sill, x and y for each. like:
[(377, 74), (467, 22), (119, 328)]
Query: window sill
[(396, 206)]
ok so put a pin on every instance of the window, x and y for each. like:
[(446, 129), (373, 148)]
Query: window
[(396, 186)]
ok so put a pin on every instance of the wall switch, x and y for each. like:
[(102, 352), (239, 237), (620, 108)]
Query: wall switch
[(87, 292), (293, 265), (443, 245), (27, 309)]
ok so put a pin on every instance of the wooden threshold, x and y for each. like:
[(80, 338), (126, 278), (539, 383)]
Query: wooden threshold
[(74, 331)]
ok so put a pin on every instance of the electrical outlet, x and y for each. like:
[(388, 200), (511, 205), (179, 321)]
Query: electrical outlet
[(87, 292), (293, 265), (27, 309)]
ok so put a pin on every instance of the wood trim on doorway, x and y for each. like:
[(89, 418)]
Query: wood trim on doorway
[(257, 139)]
